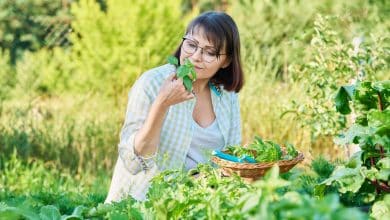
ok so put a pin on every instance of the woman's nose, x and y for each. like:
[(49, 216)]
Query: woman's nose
[(197, 56)]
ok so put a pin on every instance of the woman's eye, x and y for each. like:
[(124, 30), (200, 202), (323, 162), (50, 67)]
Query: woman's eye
[(211, 53), (192, 45)]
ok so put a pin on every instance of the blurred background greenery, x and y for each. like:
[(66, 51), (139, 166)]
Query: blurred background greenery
[(66, 67)]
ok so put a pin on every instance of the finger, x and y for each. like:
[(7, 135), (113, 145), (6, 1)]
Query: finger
[(171, 77), (190, 95), (179, 81)]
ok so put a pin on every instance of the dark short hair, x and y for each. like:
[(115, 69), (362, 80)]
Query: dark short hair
[(222, 31)]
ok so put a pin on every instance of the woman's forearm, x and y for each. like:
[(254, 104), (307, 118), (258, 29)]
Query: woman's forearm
[(148, 137)]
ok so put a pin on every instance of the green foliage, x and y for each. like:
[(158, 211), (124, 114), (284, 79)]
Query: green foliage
[(75, 144), (264, 151), (280, 39), (322, 167), (201, 193), (7, 79), (35, 188), (371, 132), (29, 25), (42, 73), (204, 5), (54, 102), (335, 62), (186, 72), (371, 103), (110, 49), (18, 176), (291, 152), (381, 209), (177, 195), (209, 196)]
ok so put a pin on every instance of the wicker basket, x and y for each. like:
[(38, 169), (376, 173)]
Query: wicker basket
[(253, 171)]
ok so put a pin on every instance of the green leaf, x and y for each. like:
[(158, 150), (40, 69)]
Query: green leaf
[(78, 211), (349, 178), (193, 74), (384, 169), (135, 214), (187, 83), (187, 73), (322, 167), (371, 174), (118, 216), (381, 209), (188, 63), (344, 95), (10, 212), (50, 212), (291, 151), (382, 86), (380, 121), (319, 189), (182, 71), (173, 60), (383, 174), (384, 163), (355, 162), (77, 214), (251, 201), (365, 97), (351, 135), (349, 213), (71, 217)]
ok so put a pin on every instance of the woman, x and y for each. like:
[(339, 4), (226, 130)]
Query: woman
[(167, 127)]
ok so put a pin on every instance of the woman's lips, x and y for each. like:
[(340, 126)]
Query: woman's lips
[(197, 68)]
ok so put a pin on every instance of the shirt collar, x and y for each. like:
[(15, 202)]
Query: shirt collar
[(216, 89)]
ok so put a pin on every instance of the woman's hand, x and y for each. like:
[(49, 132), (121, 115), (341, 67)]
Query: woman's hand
[(173, 92)]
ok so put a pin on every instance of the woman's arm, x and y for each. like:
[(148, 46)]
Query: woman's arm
[(144, 118), (148, 137)]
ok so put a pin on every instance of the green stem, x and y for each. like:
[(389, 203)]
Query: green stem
[(380, 106), (380, 101), (375, 182), (382, 151)]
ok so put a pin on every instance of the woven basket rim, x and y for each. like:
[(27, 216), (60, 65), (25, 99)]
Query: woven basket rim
[(236, 165)]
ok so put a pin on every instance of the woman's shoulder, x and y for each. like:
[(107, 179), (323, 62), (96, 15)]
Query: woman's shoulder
[(156, 74), (152, 79), (229, 95)]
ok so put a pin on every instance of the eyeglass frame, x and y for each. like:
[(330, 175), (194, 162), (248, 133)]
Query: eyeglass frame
[(201, 49)]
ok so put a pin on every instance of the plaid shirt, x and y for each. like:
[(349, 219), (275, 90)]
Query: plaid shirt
[(132, 173)]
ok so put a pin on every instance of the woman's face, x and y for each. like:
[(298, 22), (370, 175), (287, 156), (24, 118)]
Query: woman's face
[(205, 60)]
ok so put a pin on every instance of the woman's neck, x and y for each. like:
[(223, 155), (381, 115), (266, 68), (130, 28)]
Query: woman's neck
[(200, 86)]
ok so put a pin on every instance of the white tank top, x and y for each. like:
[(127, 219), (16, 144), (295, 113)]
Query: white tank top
[(204, 141)]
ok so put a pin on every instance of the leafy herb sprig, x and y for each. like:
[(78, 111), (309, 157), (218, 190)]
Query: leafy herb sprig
[(264, 151), (186, 72)]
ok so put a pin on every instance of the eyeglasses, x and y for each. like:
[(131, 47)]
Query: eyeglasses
[(208, 53)]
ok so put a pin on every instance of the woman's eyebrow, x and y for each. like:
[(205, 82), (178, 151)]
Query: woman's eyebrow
[(208, 46)]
